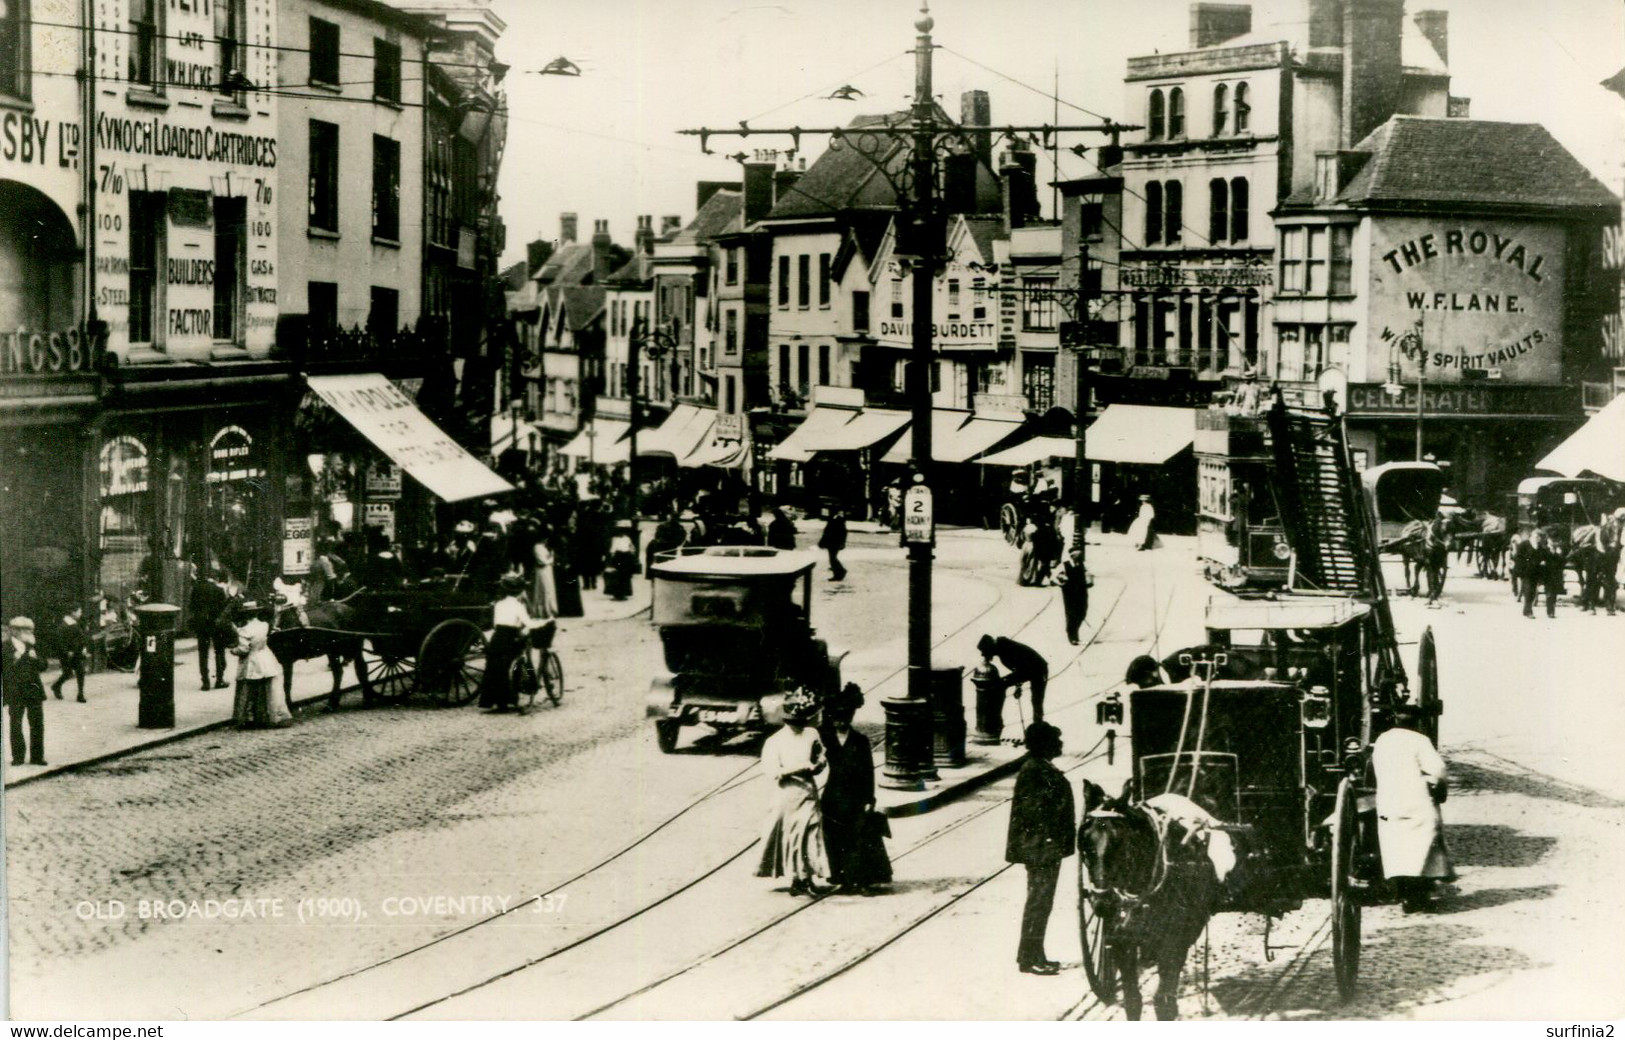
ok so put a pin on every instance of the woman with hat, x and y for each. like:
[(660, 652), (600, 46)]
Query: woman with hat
[(511, 623), (257, 703), (623, 561), (794, 756), (1411, 783), (1141, 534), (854, 834)]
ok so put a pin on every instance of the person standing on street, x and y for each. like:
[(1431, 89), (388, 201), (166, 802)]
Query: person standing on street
[(24, 691), (781, 533), (70, 651), (1022, 664), (1142, 532), (1411, 784), (1537, 564), (1074, 582), (210, 625), (1040, 836), (854, 833), (833, 540), (511, 624), (258, 704), (793, 757)]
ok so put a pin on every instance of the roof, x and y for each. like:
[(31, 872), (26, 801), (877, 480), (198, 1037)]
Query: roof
[(570, 263), (734, 561), (983, 230), (720, 210), (1475, 162), (515, 276), (842, 179), (635, 271)]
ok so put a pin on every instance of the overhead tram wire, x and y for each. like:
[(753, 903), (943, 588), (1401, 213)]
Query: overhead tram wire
[(824, 91), (1049, 95)]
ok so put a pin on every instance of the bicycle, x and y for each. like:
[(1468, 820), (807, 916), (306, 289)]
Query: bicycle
[(527, 680)]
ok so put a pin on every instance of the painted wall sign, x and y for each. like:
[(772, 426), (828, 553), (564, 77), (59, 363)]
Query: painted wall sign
[(1488, 296), (156, 137), (1194, 276), (62, 352), (1372, 399), (945, 335)]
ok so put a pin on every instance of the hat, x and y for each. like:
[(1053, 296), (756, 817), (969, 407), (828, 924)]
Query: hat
[(1407, 711), (512, 583), (1043, 739), (1145, 498), (21, 622), (800, 705), (985, 646), (849, 699), (464, 527)]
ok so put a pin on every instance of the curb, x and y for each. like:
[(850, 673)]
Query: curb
[(955, 791)]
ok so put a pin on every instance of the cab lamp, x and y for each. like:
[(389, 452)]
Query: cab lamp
[(1316, 708), (1109, 712)]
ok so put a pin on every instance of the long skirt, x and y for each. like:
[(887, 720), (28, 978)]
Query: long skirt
[(618, 577), (260, 705), (794, 842), (857, 850), (495, 689), (1034, 568)]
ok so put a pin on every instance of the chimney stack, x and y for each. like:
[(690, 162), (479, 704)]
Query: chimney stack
[(1019, 183), (759, 177), (536, 254), (976, 110), (1372, 31), (600, 250), (670, 225), (567, 228), (1325, 23), (644, 241), (1435, 25), (784, 180), (1213, 24)]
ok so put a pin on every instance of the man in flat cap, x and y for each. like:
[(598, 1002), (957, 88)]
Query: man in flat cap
[(24, 692)]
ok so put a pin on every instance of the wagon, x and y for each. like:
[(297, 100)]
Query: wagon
[(736, 635), (426, 639), (1402, 493)]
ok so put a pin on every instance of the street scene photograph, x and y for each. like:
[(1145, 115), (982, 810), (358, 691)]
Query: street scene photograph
[(818, 511)]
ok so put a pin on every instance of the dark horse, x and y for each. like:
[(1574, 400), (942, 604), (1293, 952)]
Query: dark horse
[(1153, 889), (1424, 546), (300, 634), (1483, 539)]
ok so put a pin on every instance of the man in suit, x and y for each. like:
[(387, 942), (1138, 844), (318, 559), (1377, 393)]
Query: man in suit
[(208, 606), (1023, 664), (1538, 563), (1041, 830), (20, 668)]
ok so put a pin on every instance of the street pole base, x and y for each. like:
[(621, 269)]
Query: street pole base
[(908, 745)]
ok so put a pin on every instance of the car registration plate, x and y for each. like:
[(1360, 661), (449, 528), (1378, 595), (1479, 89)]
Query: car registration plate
[(718, 715)]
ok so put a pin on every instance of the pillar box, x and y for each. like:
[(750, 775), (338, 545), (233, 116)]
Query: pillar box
[(157, 685), (989, 687), (948, 716)]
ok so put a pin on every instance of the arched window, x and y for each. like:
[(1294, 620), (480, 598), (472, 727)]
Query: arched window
[(1176, 113), (1153, 213), (1173, 214), (1243, 109), (1221, 109), (1238, 209), (1154, 116), (1218, 210)]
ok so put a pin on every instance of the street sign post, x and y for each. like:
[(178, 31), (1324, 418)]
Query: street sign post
[(919, 524)]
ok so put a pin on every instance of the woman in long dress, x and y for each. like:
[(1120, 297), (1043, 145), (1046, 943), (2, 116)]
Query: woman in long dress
[(853, 833), (794, 842), (258, 702), (1142, 534), (544, 597)]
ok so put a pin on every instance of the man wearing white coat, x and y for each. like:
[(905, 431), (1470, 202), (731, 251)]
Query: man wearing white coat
[(1411, 782)]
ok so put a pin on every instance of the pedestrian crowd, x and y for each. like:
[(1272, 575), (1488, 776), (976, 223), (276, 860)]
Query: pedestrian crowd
[(1542, 557)]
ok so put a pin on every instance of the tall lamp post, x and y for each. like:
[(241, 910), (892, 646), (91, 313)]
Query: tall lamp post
[(912, 155), (657, 343)]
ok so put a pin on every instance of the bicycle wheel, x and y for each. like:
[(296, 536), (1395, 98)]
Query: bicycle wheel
[(553, 677), (123, 655), (522, 680)]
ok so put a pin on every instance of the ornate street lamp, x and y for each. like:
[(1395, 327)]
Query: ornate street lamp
[(657, 344)]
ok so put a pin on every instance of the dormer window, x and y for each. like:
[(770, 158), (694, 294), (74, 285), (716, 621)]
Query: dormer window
[(1155, 119), (1221, 110)]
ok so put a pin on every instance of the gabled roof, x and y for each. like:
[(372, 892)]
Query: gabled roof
[(982, 231), (515, 277), (580, 306), (570, 263), (843, 180), (720, 210), (1473, 162), (636, 271)]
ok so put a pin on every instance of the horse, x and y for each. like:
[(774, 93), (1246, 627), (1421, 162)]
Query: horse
[(1424, 548), (1595, 548), (301, 633), (1153, 888), (1480, 539)]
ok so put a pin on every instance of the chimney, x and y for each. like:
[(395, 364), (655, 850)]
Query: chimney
[(1435, 25), (644, 241), (567, 228), (785, 179), (759, 178), (1018, 181), (959, 182), (976, 110), (536, 254), (705, 189), (1372, 30), (1212, 24), (670, 225), (1325, 23), (600, 250)]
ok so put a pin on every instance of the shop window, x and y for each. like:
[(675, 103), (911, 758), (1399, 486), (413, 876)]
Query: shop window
[(860, 312), (1342, 261), (146, 44), (230, 246), (978, 298), (14, 62), (230, 19), (1244, 111), (1221, 109), (1292, 260), (823, 279), (1218, 209), (784, 281), (1240, 203), (386, 188), (125, 526), (324, 52), (730, 333), (386, 71), (148, 227), (324, 176), (1153, 212), (1038, 380), (1037, 304), (1155, 116), (804, 280), (383, 319), (1176, 114), (823, 364), (322, 303)]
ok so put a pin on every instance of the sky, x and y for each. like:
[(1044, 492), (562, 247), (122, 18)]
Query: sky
[(604, 145)]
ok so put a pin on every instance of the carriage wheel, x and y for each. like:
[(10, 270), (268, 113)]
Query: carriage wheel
[(1010, 524), (1427, 667), (1345, 907), (553, 677), (1099, 960), (451, 662), (384, 677)]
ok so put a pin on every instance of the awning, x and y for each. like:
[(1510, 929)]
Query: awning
[(1140, 434), (869, 427), (819, 426), (945, 422), (1038, 449), (380, 412), (1597, 447), (680, 434), (729, 454), (601, 441), (502, 434), (958, 436)]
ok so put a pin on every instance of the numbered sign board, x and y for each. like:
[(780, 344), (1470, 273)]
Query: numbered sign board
[(919, 525)]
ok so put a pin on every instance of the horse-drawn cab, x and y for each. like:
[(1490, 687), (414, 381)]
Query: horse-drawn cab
[(1402, 494), (1561, 504), (736, 635)]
